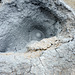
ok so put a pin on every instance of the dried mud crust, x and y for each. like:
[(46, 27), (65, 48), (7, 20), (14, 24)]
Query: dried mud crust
[(55, 61), (46, 60)]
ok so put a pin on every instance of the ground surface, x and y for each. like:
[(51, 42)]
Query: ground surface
[(71, 3)]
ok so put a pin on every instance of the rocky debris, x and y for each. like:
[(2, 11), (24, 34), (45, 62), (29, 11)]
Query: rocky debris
[(58, 61), (44, 44), (50, 56), (48, 43)]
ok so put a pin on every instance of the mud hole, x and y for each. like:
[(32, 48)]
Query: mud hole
[(37, 37)]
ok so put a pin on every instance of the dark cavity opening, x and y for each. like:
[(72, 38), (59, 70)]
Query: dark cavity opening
[(32, 28), (0, 1)]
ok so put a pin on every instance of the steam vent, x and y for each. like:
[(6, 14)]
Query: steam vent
[(37, 37)]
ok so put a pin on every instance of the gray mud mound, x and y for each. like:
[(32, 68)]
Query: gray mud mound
[(37, 37)]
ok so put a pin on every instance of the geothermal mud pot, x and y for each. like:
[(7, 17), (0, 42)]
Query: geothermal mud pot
[(37, 37)]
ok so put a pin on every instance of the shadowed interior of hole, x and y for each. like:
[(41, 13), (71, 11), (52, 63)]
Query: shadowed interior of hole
[(0, 1), (38, 27), (26, 33)]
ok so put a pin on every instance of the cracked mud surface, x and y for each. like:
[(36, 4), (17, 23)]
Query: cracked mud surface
[(60, 61), (50, 56)]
